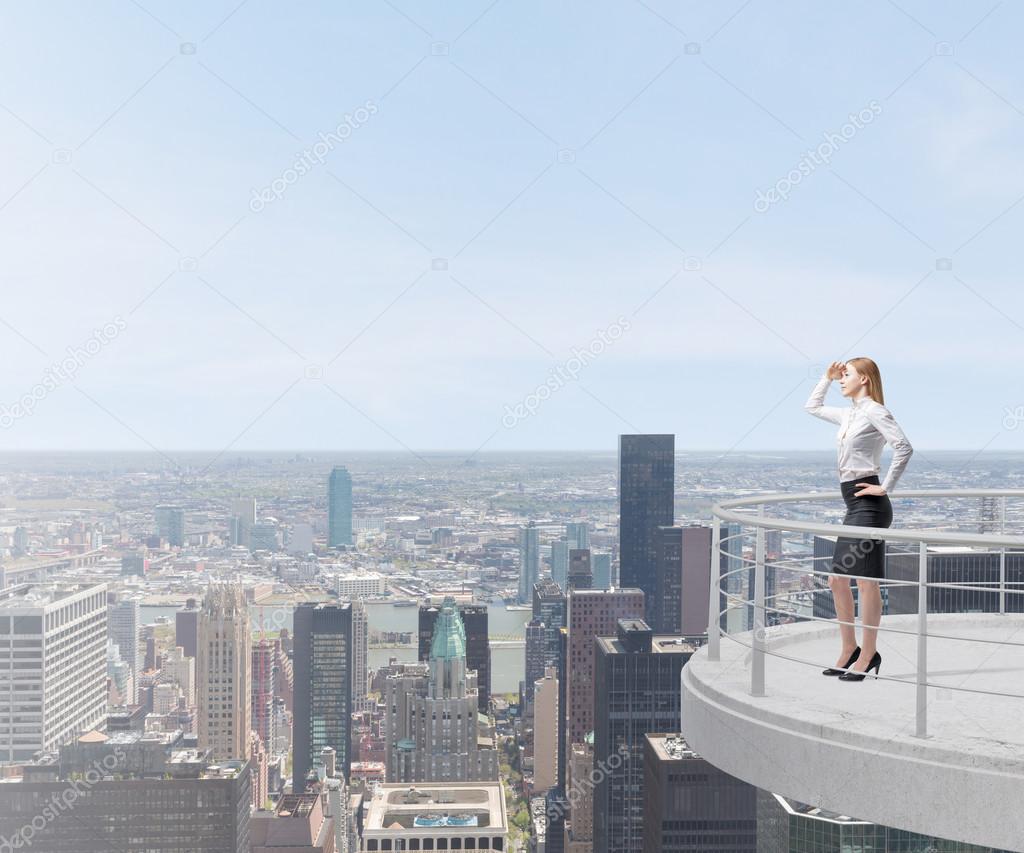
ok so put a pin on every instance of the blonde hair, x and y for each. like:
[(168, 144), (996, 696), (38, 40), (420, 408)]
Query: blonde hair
[(867, 367)]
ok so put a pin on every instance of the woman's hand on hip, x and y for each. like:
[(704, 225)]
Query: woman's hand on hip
[(869, 489)]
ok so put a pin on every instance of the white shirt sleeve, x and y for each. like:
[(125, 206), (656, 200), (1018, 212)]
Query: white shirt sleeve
[(814, 404), (882, 420)]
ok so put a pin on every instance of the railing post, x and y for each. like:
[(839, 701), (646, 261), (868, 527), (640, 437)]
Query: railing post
[(714, 595), (922, 642), (1002, 555), (757, 665)]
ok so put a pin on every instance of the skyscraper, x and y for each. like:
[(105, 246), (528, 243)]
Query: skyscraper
[(170, 524), (549, 608), (545, 728), (123, 628), (263, 690), (124, 791), (578, 534), (339, 508), (601, 561), (636, 690), (223, 673), (360, 646), (668, 608), (646, 502), (431, 718), (536, 656), (592, 613), (733, 580), (264, 535), (243, 510), (560, 561), (529, 561), (683, 579), (323, 683), (794, 827), (53, 665), (478, 644), (696, 579), (581, 575), (186, 627), (689, 804)]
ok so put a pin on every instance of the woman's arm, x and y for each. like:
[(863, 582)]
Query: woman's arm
[(815, 403), (882, 420)]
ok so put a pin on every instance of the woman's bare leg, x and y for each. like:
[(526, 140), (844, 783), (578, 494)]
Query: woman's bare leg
[(842, 595), (870, 616)]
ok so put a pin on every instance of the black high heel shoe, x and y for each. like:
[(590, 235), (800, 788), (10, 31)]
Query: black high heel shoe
[(876, 665), (833, 671)]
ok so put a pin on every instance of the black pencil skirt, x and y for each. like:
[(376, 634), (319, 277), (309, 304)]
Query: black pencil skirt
[(864, 557)]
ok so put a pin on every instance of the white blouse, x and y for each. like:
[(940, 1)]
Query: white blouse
[(864, 428)]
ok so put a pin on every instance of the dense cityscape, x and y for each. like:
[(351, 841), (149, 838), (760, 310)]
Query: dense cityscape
[(375, 652)]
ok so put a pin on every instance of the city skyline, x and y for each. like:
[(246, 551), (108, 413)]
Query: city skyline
[(404, 439)]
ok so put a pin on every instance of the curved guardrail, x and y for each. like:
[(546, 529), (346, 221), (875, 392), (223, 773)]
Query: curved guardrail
[(739, 512)]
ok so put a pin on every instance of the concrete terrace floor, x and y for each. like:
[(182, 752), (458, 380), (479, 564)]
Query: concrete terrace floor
[(850, 747)]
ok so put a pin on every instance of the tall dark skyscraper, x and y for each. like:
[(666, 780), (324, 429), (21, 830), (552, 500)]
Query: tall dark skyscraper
[(549, 608), (581, 575), (668, 583), (339, 508), (646, 490), (536, 652), (478, 646), (689, 804), (186, 622), (636, 691), (323, 690)]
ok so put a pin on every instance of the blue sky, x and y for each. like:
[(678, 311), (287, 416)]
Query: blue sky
[(531, 174)]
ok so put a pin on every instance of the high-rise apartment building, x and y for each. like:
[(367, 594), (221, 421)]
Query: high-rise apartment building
[(123, 628), (170, 524), (339, 508), (529, 561), (53, 665)]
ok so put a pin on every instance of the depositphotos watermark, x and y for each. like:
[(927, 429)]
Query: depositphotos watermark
[(62, 801), (1013, 418), (814, 157), (582, 788), (313, 156), (60, 372), (564, 372)]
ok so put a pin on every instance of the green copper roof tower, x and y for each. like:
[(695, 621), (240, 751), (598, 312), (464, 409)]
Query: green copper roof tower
[(449, 640), (448, 653)]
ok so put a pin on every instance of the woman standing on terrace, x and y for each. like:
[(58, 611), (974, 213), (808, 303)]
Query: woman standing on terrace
[(864, 428)]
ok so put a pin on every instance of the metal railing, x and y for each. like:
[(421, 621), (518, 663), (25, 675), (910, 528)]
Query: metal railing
[(739, 512)]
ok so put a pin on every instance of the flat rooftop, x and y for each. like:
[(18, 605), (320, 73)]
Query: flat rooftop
[(667, 644), (468, 806), (810, 737), (30, 596), (671, 747)]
